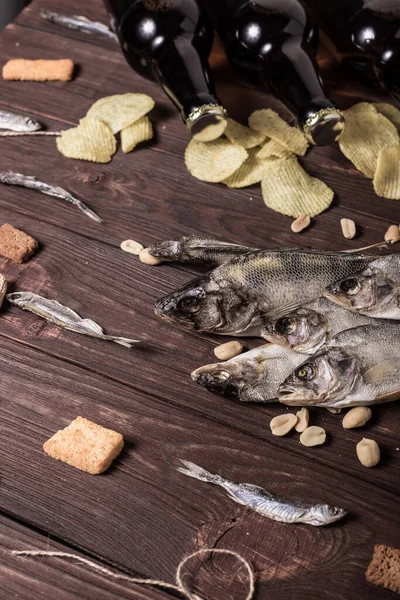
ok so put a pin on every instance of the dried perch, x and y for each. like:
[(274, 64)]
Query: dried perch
[(28, 181), (64, 317), (18, 123), (78, 23)]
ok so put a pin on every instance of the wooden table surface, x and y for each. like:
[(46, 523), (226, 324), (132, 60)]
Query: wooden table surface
[(142, 516)]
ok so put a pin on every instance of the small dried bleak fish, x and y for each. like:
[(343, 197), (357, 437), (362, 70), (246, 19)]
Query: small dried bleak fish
[(11, 178), (359, 366), (374, 292), (15, 122), (253, 376), (64, 317), (267, 504), (78, 23), (236, 296), (193, 249)]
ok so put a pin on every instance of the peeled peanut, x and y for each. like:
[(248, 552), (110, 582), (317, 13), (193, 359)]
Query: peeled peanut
[(303, 417), (348, 228), (228, 350), (3, 288), (146, 258), (356, 417), (368, 452), (313, 436), (333, 410), (282, 424), (302, 222), (393, 234), (131, 247)]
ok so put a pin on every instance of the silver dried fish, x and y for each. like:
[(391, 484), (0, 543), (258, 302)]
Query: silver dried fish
[(28, 181), (16, 122), (78, 23), (64, 317), (267, 504)]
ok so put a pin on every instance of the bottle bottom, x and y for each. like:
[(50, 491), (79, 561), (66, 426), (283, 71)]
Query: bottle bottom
[(324, 127), (207, 123)]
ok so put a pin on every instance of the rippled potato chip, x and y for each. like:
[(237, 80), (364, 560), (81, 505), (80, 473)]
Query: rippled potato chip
[(270, 123), (121, 110), (249, 173), (289, 190), (274, 148), (242, 135), (390, 112), (365, 134), (134, 134), (91, 140), (387, 175), (214, 161)]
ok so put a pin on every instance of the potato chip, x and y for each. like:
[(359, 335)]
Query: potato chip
[(91, 140), (242, 135), (274, 148), (390, 112), (121, 110), (365, 134), (387, 175), (289, 190), (214, 161), (362, 107), (249, 173), (270, 123), (134, 134)]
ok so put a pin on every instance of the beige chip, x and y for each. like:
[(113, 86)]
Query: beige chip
[(242, 135), (121, 110), (214, 161), (249, 173), (274, 148), (289, 190), (365, 134), (270, 123), (22, 69), (131, 136), (390, 112), (3, 288), (85, 445), (92, 140), (387, 175)]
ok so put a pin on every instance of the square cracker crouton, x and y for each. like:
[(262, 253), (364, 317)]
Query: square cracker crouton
[(21, 69), (384, 568), (85, 445), (16, 244)]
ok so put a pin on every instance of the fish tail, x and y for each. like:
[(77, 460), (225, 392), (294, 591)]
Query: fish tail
[(128, 343), (192, 470)]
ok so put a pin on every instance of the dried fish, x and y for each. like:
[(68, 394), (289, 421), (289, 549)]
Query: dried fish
[(28, 181), (267, 504), (78, 23), (18, 123), (64, 317)]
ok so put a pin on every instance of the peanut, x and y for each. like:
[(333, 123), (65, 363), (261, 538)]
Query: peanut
[(282, 424), (3, 288), (228, 350), (368, 452), (313, 436), (393, 234), (303, 417), (348, 228), (131, 247), (146, 258), (302, 222), (333, 410), (356, 417)]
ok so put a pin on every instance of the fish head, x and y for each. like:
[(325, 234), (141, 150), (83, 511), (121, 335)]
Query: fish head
[(325, 514), (170, 250), (365, 293), (303, 330), (204, 305), (20, 298), (328, 375), (31, 124)]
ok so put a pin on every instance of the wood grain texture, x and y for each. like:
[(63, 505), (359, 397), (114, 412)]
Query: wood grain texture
[(142, 515)]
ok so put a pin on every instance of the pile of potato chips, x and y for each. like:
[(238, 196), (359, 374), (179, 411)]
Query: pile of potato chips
[(94, 138)]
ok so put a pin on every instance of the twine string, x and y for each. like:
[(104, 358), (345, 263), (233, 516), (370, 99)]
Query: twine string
[(17, 133), (180, 587)]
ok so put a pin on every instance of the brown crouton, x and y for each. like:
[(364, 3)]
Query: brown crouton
[(16, 244)]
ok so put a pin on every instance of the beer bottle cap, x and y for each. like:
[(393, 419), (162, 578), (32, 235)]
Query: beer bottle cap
[(324, 127), (207, 122)]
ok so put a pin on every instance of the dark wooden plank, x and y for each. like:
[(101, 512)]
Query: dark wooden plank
[(38, 578), (145, 516)]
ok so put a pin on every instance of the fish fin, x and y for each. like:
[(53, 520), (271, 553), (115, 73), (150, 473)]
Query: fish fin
[(128, 343), (281, 311), (380, 371), (196, 472), (382, 244), (388, 397), (92, 326)]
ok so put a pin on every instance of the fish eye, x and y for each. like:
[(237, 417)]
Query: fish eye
[(190, 304), (350, 286), (333, 510), (285, 325), (221, 376), (305, 372)]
